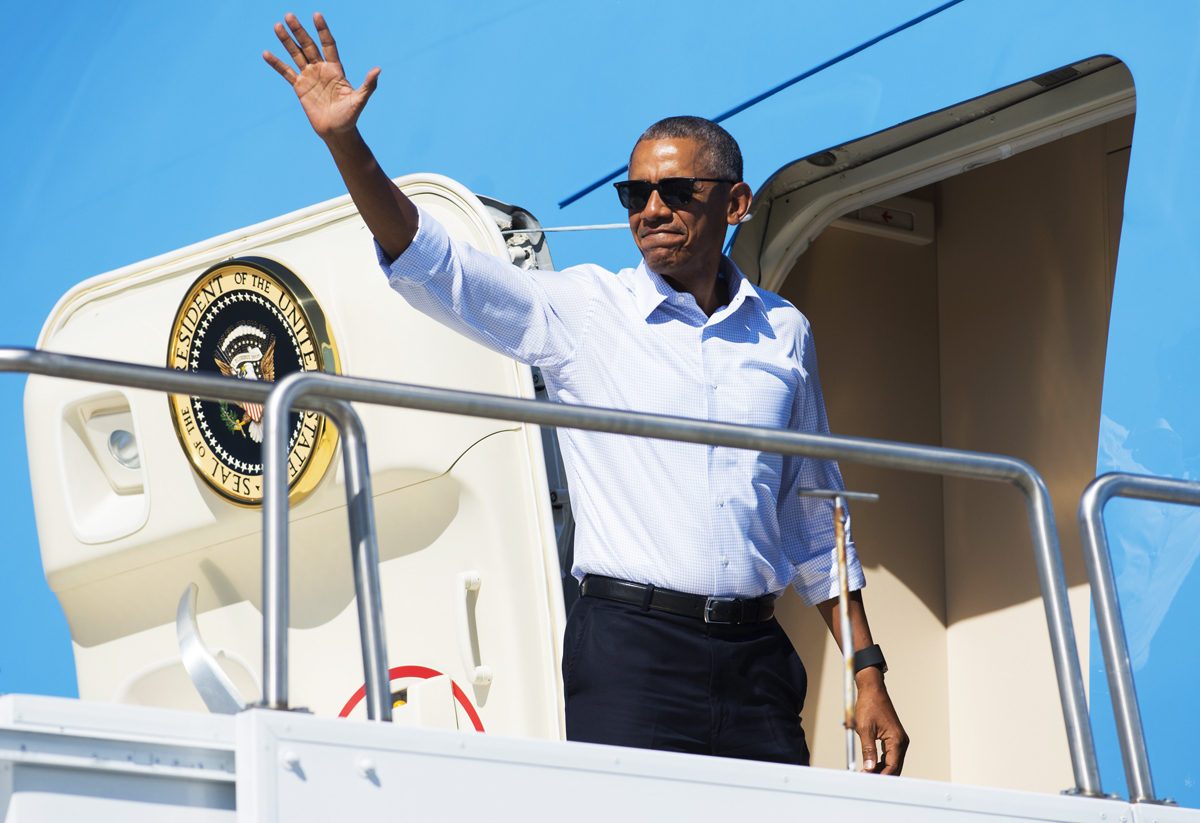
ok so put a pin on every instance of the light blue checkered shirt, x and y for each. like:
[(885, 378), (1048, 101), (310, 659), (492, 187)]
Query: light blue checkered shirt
[(699, 519)]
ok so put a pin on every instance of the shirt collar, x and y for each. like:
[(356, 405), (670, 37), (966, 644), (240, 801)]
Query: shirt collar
[(650, 290), (740, 289)]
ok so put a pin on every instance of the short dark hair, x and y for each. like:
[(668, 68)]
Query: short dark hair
[(722, 153)]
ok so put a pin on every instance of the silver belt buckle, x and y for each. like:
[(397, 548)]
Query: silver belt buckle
[(708, 606)]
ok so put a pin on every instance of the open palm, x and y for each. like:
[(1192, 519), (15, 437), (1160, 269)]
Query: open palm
[(331, 103)]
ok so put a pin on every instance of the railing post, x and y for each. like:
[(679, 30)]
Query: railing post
[(364, 553), (1112, 637), (1048, 558), (276, 607), (1106, 602), (287, 394)]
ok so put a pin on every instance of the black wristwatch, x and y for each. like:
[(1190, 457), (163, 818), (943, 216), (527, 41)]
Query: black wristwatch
[(868, 657)]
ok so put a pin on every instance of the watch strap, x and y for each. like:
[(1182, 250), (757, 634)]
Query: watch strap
[(870, 656)]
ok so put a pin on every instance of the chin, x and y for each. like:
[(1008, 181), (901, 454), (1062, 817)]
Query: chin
[(661, 263)]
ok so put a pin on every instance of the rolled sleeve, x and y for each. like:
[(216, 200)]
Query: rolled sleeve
[(535, 317), (817, 582), (418, 263), (806, 523)]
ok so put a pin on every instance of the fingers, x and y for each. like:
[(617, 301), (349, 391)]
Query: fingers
[(307, 46), (877, 720), (297, 56), (893, 755), (368, 86), (328, 44), (892, 762), (889, 761), (870, 756), (283, 68)]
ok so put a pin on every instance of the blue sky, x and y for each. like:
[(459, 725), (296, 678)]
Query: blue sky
[(135, 128)]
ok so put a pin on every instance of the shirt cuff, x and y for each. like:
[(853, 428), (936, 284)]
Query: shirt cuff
[(424, 255)]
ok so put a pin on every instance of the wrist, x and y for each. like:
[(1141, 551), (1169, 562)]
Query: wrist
[(870, 678), (344, 142)]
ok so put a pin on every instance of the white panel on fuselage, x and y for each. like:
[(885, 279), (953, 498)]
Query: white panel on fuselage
[(119, 559)]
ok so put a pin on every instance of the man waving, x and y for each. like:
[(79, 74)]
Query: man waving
[(681, 549)]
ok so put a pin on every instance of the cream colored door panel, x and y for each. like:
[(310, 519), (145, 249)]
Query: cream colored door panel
[(452, 493), (492, 535)]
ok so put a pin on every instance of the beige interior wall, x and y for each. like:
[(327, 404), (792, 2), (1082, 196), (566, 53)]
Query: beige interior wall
[(1023, 277), (992, 338), (873, 305)]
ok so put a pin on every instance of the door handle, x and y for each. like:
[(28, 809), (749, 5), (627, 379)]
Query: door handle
[(477, 673), (215, 687)]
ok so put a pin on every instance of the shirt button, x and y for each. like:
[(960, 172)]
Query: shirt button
[(720, 501), (714, 384), (724, 561)]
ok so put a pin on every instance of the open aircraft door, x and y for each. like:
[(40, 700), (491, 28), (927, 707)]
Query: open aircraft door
[(957, 269), (138, 495)]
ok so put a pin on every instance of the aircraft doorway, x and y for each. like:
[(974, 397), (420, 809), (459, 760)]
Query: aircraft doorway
[(983, 328)]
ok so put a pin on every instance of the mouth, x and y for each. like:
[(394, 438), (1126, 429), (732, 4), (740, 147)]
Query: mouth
[(659, 233)]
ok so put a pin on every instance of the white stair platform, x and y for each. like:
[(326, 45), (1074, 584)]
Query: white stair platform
[(66, 760)]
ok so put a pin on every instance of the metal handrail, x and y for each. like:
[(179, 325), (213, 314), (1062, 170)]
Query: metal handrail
[(364, 553), (309, 391), (1108, 610), (300, 389), (131, 375)]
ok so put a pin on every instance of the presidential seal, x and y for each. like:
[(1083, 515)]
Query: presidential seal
[(253, 319)]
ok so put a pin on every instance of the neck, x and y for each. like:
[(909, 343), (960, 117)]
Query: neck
[(706, 285)]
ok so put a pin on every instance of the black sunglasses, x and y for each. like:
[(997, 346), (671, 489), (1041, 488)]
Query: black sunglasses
[(674, 191)]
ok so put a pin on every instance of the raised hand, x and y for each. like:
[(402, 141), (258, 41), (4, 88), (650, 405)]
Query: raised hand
[(331, 103), (333, 107)]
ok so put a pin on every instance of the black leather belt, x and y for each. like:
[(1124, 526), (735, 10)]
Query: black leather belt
[(726, 610)]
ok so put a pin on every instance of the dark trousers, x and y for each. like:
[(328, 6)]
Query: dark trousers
[(653, 680)]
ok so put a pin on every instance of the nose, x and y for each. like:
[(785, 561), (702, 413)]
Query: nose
[(656, 209)]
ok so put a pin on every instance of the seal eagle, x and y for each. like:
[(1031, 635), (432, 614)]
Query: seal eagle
[(247, 351)]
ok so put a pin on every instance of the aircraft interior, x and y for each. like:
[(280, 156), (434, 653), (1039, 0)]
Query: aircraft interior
[(968, 311)]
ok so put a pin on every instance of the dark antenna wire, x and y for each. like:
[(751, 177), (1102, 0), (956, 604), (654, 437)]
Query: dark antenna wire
[(770, 92)]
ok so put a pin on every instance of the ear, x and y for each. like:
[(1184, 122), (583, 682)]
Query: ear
[(740, 197)]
